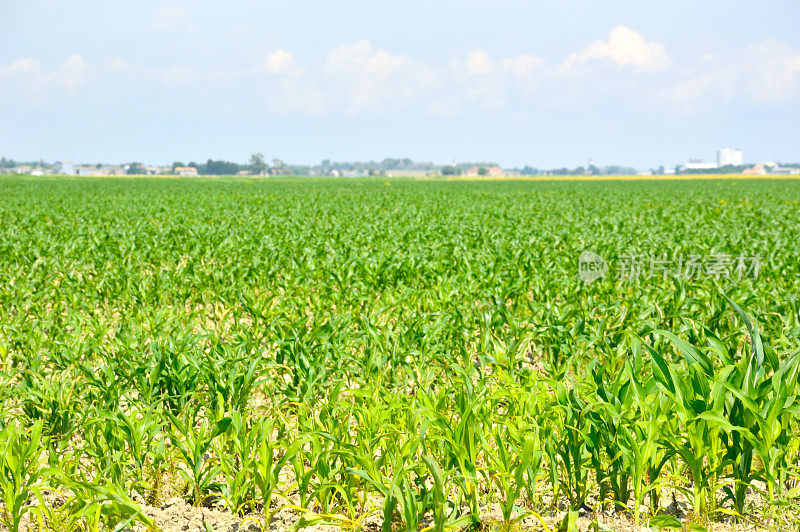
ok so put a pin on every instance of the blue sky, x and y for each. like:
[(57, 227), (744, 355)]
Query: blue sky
[(546, 83)]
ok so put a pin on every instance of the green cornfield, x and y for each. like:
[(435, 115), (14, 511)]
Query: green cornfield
[(399, 355)]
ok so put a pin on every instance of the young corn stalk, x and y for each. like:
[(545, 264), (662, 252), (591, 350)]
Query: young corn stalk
[(19, 470)]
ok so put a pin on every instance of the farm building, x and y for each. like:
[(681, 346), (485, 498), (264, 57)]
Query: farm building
[(185, 171), (64, 168)]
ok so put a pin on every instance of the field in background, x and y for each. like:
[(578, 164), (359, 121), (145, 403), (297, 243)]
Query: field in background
[(397, 353), (680, 177)]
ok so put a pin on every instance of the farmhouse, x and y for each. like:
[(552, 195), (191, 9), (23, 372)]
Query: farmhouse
[(185, 171), (89, 170), (755, 170), (491, 171), (64, 168), (699, 164)]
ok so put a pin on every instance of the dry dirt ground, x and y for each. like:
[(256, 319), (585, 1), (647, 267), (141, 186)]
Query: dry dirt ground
[(175, 515)]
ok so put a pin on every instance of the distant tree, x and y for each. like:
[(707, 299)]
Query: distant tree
[(300, 169), (136, 169), (177, 164), (213, 167), (483, 171), (729, 169), (279, 167), (449, 170), (391, 164), (619, 170), (257, 163)]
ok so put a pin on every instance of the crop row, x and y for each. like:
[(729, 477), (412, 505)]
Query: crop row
[(417, 353)]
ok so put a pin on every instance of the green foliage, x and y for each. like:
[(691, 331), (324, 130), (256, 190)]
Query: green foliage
[(136, 169), (19, 470), (421, 351)]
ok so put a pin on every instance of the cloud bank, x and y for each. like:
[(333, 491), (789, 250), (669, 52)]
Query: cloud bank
[(359, 77)]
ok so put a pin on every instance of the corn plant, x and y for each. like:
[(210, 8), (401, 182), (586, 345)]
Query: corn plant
[(416, 351), (267, 470), (571, 448), (99, 506), (193, 439), (20, 470), (513, 465)]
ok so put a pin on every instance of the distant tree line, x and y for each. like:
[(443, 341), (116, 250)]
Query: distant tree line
[(136, 169), (729, 169), (327, 166), (8, 164), (258, 165)]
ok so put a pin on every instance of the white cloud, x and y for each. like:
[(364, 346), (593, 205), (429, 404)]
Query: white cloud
[(29, 76), (771, 71), (475, 80), (288, 88), (625, 47), (491, 85), (764, 72), (362, 59), (172, 18), (117, 65), (360, 77), (479, 63), (21, 66), (523, 65), (686, 92), (279, 62), (73, 73)]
